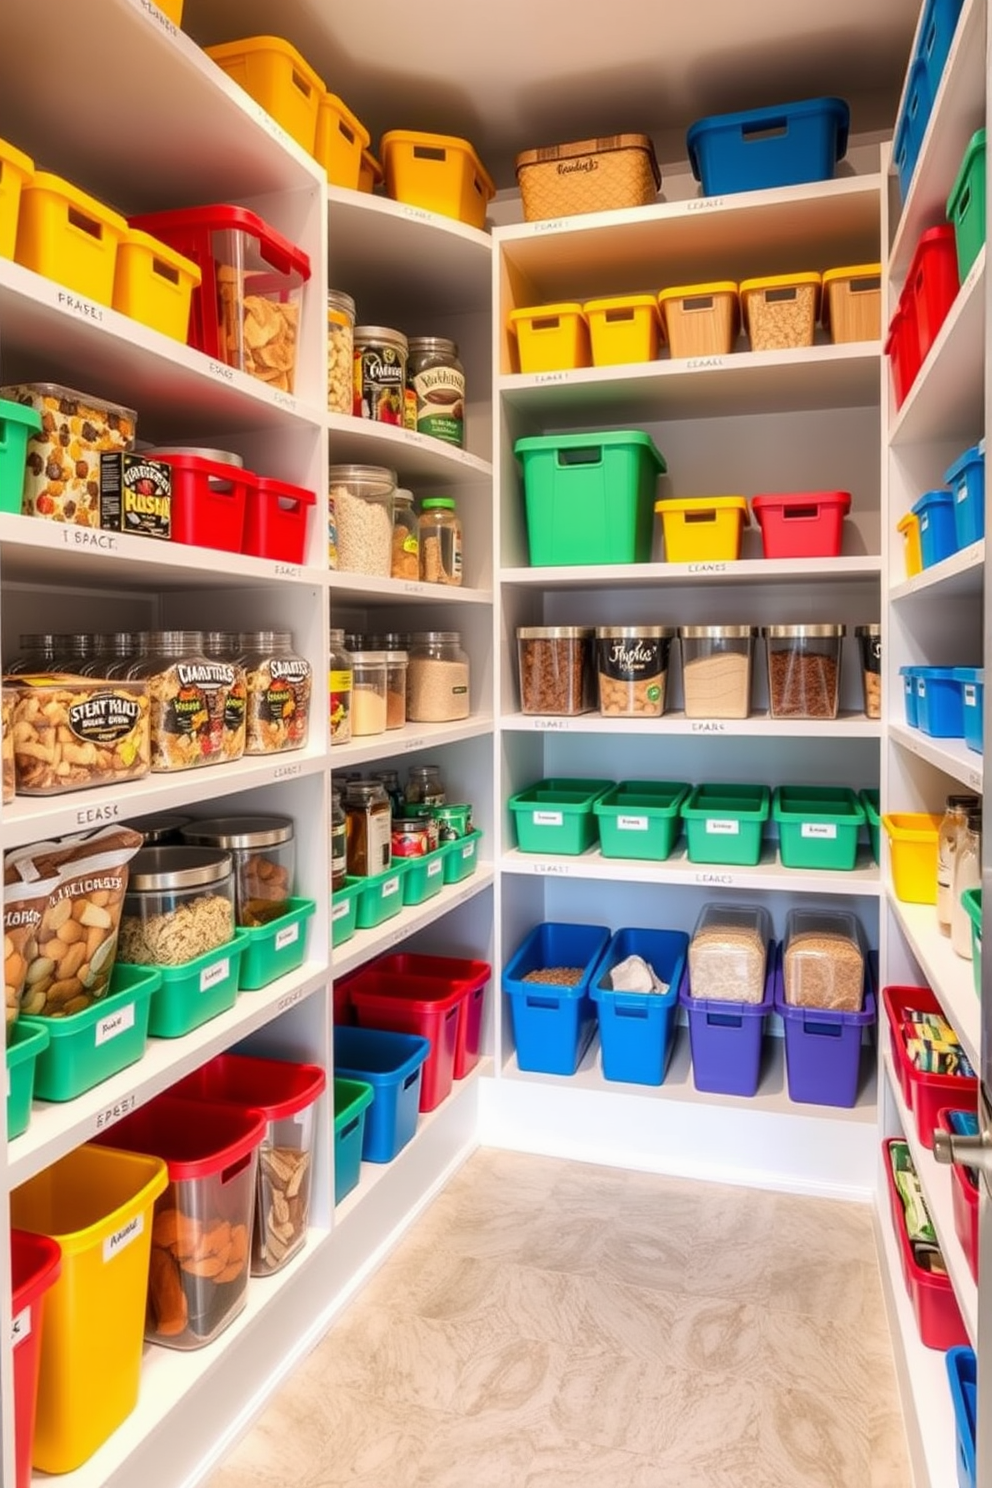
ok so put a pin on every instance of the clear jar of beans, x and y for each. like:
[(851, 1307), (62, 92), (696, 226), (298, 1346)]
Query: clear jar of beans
[(804, 670)]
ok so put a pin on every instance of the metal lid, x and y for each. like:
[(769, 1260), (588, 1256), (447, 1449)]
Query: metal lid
[(219, 457), (717, 632), (964, 801), (436, 638), (366, 335), (240, 831), (974, 821), (804, 632), (154, 828), (338, 300), (377, 475), (634, 632), (555, 632), (159, 868), (365, 792), (433, 343), (867, 630), (369, 658)]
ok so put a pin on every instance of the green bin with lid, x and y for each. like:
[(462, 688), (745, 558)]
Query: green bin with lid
[(589, 498)]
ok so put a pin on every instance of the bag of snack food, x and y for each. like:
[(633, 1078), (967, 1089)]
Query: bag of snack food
[(23, 904)]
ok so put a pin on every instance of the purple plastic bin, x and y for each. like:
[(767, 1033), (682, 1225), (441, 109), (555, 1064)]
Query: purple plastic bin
[(725, 1037), (823, 1049)]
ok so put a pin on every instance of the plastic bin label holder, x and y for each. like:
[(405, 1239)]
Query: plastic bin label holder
[(211, 975), (118, 1022), (827, 830), (119, 1241), (339, 911), (20, 1328), (632, 823), (547, 818), (287, 935), (717, 827)]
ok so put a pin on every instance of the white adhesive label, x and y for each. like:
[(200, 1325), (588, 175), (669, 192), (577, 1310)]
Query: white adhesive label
[(119, 1022), (962, 492), (970, 695), (211, 975), (287, 935), (547, 818), (825, 830), (20, 1328), (717, 827), (339, 911), (632, 823), (433, 869), (468, 851), (390, 887), (122, 1238), (924, 523)]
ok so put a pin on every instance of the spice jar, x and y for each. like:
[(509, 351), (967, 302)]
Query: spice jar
[(437, 379), (7, 701), (440, 535), (390, 781), (803, 670), (437, 678), (339, 843), (368, 693), (369, 826), (340, 680), (362, 501), (225, 645), (279, 685), (340, 352), (556, 671), (716, 670), (967, 875), (179, 905), (379, 387), (949, 837), (187, 696), (870, 643), (424, 786), (406, 544), (632, 667), (263, 852), (396, 668)]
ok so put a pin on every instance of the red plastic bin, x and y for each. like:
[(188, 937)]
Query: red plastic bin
[(36, 1262), (964, 1203), (803, 524), (925, 1095), (902, 347), (209, 501), (474, 977), (938, 1317), (932, 283), (276, 517)]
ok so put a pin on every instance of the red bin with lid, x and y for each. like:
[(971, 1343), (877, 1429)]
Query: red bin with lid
[(804, 524), (36, 1262), (276, 518), (932, 284)]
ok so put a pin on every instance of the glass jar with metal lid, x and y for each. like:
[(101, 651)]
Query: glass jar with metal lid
[(870, 645), (390, 781), (440, 538), (437, 378), (108, 646), (263, 851), (632, 669), (396, 669), (717, 667), (279, 686), (76, 651), (437, 678), (339, 681), (340, 351), (369, 821), (406, 541), (424, 786), (179, 905), (38, 655), (368, 693), (164, 829), (187, 695), (804, 670), (339, 843), (380, 358), (361, 498), (556, 669), (128, 650)]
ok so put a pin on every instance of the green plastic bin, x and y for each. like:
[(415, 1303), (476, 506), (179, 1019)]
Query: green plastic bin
[(381, 897), (966, 205), (818, 826), (352, 1099), (872, 802), (27, 1042), (197, 991), (86, 1048), (461, 857), (424, 877), (640, 819), (556, 816), (344, 911), (17, 423), (589, 498), (972, 901), (725, 823), (275, 949)]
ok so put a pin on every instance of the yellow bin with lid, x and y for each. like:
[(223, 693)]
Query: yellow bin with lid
[(852, 303), (16, 172), (69, 236), (154, 284), (780, 310), (551, 338), (278, 77), (625, 328), (700, 320), (340, 142), (97, 1203), (912, 550), (438, 172), (703, 529), (913, 854)]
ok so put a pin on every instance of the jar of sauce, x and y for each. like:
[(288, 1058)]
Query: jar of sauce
[(369, 828)]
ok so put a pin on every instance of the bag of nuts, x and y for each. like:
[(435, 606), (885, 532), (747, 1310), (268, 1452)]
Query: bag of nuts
[(23, 904)]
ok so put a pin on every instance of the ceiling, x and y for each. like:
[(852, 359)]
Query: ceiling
[(515, 74)]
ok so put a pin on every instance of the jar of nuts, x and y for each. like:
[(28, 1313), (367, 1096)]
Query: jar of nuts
[(263, 851), (632, 666), (340, 351), (179, 906)]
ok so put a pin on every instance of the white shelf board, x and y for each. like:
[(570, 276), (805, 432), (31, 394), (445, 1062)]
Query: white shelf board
[(31, 818), (768, 874), (346, 585), (57, 1128), (365, 944), (937, 1181), (416, 457), (950, 755), (949, 975), (845, 726), (947, 399), (413, 736), (958, 110), (814, 377), (743, 571), (962, 573)]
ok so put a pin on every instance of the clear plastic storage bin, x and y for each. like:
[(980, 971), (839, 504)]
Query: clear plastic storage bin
[(823, 963), (717, 665), (804, 670), (728, 953)]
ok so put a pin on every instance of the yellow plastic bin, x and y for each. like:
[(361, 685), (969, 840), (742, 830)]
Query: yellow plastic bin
[(340, 141), (780, 311), (69, 237), (16, 172), (173, 9), (701, 319), (438, 172), (551, 338), (277, 77), (852, 303), (371, 174), (912, 551), (97, 1203), (624, 329), (703, 529), (154, 284), (913, 854)]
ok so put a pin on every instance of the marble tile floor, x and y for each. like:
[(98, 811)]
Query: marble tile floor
[(549, 1324)]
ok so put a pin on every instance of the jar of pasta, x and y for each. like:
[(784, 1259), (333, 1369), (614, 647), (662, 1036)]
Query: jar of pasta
[(187, 695), (340, 351), (263, 851), (279, 686)]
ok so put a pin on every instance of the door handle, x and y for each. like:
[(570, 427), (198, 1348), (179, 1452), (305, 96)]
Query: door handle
[(970, 1152)]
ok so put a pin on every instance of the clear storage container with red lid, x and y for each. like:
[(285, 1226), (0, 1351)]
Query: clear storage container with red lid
[(247, 310)]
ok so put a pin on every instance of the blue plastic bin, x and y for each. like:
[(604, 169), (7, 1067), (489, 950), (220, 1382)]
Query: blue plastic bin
[(392, 1063), (973, 703), (637, 1029), (940, 19), (966, 479), (780, 146), (726, 1037), (553, 1025), (938, 529), (908, 675), (823, 1049), (939, 702), (962, 1372), (912, 125)]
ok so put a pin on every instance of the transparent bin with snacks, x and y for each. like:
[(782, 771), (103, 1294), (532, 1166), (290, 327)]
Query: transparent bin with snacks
[(73, 733), (870, 645), (62, 474), (263, 851)]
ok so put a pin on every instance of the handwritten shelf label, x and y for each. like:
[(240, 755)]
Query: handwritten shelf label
[(87, 816), (709, 728), (287, 570), (220, 369), (114, 1113), (154, 14), (725, 880), (287, 772), (290, 1000), (701, 568), (553, 870), (86, 537)]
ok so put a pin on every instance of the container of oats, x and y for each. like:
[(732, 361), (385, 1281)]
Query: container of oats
[(361, 501), (263, 853), (179, 905), (62, 473), (632, 668), (279, 685), (870, 645), (716, 670)]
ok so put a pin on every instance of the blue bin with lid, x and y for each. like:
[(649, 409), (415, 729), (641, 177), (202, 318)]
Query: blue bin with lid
[(908, 675), (785, 145), (940, 19), (962, 1374), (938, 529), (912, 124), (553, 1024), (966, 478), (939, 702), (393, 1064), (637, 1029), (973, 703)]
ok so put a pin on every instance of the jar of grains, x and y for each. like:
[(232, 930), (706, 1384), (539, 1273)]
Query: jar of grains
[(804, 670), (870, 642), (437, 678), (362, 499), (556, 671), (632, 665), (279, 685), (437, 378), (369, 826), (339, 682), (339, 843), (440, 534), (716, 670), (368, 693), (340, 351), (406, 544), (396, 667), (379, 388)]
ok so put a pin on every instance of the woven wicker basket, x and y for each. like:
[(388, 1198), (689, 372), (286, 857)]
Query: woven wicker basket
[(595, 175)]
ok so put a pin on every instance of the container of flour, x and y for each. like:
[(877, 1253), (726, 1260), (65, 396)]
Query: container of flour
[(716, 670)]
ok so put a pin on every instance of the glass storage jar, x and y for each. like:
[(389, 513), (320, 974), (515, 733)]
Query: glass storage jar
[(440, 537), (279, 687), (949, 839), (340, 680), (424, 786), (164, 829), (396, 667), (406, 542), (379, 389), (136, 648), (340, 351), (390, 781), (7, 773), (179, 905), (187, 696), (437, 678), (804, 670), (717, 664), (368, 693), (436, 377), (967, 875), (556, 669), (339, 842), (361, 498), (870, 645), (108, 647), (263, 852), (225, 645), (369, 821), (37, 657)]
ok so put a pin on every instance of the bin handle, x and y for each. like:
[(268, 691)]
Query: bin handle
[(411, 1078), (588, 454), (964, 202), (864, 286), (551, 1003), (822, 1030), (302, 83), (235, 1168), (429, 152), (346, 1131), (289, 504), (617, 315), (452, 1013), (545, 323), (630, 1010), (347, 131), (800, 514), (724, 1020), (781, 296), (89, 225), (165, 270), (699, 516), (698, 302), (767, 129)]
